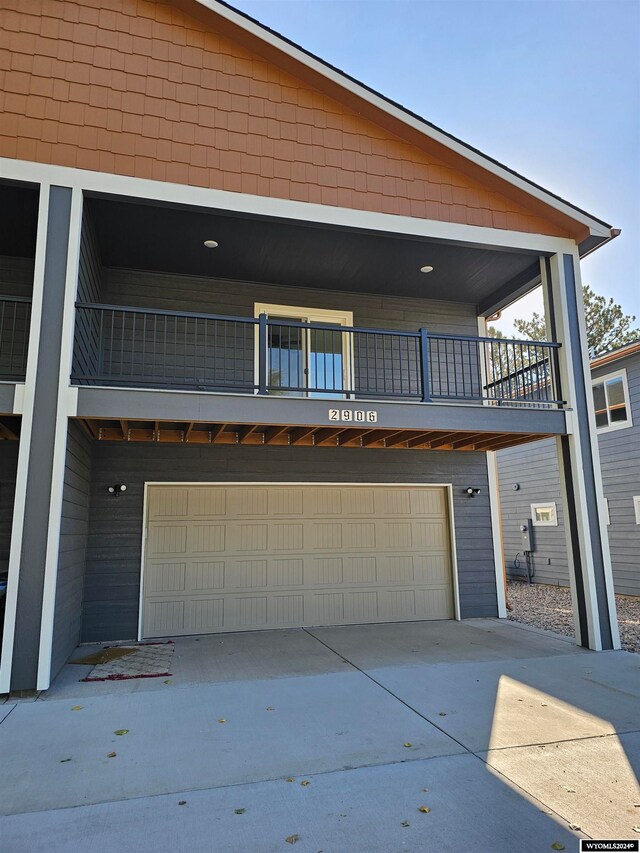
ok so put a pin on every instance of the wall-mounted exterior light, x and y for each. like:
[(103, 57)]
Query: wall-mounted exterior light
[(117, 489)]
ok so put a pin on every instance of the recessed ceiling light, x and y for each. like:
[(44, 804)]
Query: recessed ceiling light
[(423, 269), (211, 244)]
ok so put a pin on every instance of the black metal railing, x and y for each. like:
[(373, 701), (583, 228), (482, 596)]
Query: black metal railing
[(139, 347), (15, 317)]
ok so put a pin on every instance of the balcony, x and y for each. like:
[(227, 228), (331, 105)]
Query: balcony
[(15, 316), (156, 349)]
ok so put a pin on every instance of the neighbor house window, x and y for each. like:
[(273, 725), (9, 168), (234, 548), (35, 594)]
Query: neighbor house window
[(636, 506), (544, 515), (611, 401)]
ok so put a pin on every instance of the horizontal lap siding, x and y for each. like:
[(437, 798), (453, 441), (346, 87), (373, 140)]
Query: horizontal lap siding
[(620, 462), (221, 353), (73, 543), (534, 467), (8, 467), (112, 583), (86, 340)]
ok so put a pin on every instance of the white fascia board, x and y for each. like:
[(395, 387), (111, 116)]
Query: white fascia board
[(595, 227), (321, 214)]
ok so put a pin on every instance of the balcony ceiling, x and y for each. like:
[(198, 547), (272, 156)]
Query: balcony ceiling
[(170, 240)]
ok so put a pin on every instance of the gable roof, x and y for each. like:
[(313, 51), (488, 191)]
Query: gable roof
[(595, 231)]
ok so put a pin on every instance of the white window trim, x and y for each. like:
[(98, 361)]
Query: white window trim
[(313, 315), (545, 505), (617, 374), (636, 506), (607, 514)]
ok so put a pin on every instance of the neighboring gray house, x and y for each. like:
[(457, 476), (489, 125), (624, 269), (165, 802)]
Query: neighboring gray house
[(534, 470), (244, 377)]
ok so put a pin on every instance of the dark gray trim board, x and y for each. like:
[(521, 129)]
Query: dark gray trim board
[(135, 404), (7, 396), (112, 580), (40, 470), (582, 402)]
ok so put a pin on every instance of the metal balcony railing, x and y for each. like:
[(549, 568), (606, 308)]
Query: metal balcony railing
[(139, 347), (15, 317)]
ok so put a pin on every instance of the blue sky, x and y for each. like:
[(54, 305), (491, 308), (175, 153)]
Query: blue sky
[(550, 88)]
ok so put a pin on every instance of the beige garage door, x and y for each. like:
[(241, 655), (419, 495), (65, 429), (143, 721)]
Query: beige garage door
[(238, 558)]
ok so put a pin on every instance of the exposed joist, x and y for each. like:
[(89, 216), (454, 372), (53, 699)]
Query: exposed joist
[(244, 432), (272, 433), (124, 426), (469, 439), (188, 430), (379, 435), (422, 439), (297, 435), (327, 436), (399, 438), (216, 431), (442, 440), (350, 435)]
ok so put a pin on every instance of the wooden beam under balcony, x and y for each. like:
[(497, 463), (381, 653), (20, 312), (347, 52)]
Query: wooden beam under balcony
[(206, 433)]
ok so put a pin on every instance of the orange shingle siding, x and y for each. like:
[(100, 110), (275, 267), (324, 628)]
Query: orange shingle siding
[(138, 88)]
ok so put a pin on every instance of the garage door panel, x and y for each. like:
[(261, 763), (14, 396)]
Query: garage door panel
[(168, 503), (165, 539), (245, 558), (207, 503), (205, 576)]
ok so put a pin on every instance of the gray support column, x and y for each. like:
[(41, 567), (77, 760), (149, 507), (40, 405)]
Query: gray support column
[(579, 461), (35, 524)]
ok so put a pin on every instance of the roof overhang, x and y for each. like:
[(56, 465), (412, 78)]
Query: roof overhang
[(589, 231)]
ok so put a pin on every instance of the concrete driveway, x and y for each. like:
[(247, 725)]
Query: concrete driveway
[(334, 739)]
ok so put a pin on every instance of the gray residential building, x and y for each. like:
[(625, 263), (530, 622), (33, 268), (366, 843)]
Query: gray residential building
[(245, 381), (530, 488)]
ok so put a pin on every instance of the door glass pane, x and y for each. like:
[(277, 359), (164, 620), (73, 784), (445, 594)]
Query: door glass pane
[(617, 404), (325, 362), (286, 359), (600, 405)]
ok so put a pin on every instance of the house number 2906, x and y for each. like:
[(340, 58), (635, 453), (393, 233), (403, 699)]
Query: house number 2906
[(358, 415)]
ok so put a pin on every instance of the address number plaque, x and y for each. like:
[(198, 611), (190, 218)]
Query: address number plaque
[(359, 416)]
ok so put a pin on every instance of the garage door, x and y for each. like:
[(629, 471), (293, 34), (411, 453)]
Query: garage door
[(238, 558)]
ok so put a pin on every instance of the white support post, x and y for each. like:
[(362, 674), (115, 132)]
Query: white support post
[(581, 481)]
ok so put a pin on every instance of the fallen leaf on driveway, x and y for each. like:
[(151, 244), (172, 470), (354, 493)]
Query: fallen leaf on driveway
[(574, 826), (121, 732), (407, 744), (64, 760), (569, 790), (222, 720), (111, 755), (442, 714), (269, 708), (292, 839), (290, 779), (424, 809), (77, 708), (168, 681), (305, 782), (239, 811), (405, 823), (557, 846), (426, 790), (182, 802), (636, 828)]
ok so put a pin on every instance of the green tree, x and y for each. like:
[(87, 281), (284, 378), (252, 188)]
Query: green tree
[(608, 327)]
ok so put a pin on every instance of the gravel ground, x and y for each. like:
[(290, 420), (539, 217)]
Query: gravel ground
[(549, 607)]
